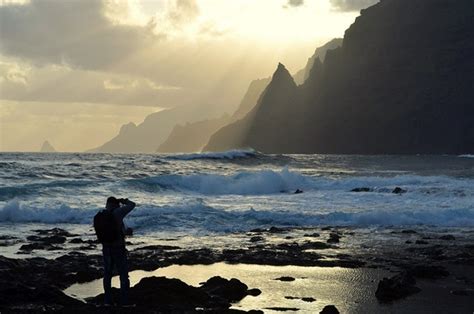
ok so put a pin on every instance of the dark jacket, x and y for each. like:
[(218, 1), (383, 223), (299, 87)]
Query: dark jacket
[(119, 214)]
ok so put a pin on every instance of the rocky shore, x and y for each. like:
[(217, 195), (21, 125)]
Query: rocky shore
[(36, 284)]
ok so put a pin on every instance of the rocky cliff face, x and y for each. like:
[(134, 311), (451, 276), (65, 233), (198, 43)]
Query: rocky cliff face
[(147, 136), (401, 83), (192, 137)]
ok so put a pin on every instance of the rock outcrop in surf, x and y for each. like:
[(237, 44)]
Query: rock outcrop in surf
[(47, 148), (401, 83)]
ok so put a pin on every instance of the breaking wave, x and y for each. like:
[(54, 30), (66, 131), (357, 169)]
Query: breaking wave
[(273, 181), (198, 217), (231, 154)]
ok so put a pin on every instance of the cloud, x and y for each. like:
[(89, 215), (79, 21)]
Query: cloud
[(183, 12), (293, 3), (77, 33), (351, 5)]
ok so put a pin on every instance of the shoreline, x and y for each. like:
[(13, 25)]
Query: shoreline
[(440, 264)]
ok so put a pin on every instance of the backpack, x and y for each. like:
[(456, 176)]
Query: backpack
[(106, 227)]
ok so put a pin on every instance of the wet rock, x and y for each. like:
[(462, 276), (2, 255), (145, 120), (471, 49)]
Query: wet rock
[(329, 309), (27, 248), (172, 295), (254, 292), (396, 287), (308, 299), (257, 230), (316, 245), (285, 278), (398, 190), (363, 189), (54, 239), (447, 237), (333, 238), (54, 232), (408, 231), (282, 309), (427, 271), (276, 230), (257, 239), (312, 235), (327, 228), (298, 191), (158, 248), (408, 242), (230, 290), (289, 237)]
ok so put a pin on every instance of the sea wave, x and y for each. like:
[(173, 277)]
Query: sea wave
[(466, 156), (263, 182), (199, 217), (231, 154)]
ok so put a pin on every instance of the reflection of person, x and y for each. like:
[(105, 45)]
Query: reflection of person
[(115, 253)]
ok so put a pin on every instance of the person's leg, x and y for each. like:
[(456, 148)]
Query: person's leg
[(122, 267), (108, 266)]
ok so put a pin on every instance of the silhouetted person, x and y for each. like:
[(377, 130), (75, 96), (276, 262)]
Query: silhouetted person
[(112, 236)]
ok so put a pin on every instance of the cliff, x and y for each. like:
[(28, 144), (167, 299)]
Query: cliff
[(191, 137), (401, 83)]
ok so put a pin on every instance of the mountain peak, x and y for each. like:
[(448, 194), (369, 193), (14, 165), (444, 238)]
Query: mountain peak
[(282, 76), (47, 148)]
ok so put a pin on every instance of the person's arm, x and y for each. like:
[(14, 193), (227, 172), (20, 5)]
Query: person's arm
[(122, 211)]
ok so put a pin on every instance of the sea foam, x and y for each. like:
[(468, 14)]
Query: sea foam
[(197, 216)]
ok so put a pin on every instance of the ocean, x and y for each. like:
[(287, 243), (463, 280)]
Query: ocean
[(221, 193)]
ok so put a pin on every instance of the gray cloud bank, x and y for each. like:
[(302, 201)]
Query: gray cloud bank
[(76, 33)]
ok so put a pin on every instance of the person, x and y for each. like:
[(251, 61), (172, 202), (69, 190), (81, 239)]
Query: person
[(115, 253)]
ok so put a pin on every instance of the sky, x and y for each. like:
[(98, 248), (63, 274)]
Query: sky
[(73, 71)]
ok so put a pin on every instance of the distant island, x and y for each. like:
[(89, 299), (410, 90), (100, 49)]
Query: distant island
[(47, 148), (401, 83)]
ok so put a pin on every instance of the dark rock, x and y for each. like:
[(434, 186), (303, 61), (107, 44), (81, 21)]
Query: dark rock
[(276, 230), (38, 246), (329, 309), (447, 237), (427, 271), (53, 239), (282, 309), (420, 242), (408, 242), (308, 299), (312, 235), (327, 228), (230, 290), (289, 237), (257, 239), (333, 238), (316, 245), (298, 191), (408, 231), (54, 232), (285, 278), (257, 230), (254, 292), (158, 248), (396, 287), (398, 190), (362, 190)]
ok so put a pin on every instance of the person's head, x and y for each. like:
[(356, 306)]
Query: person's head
[(112, 203)]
